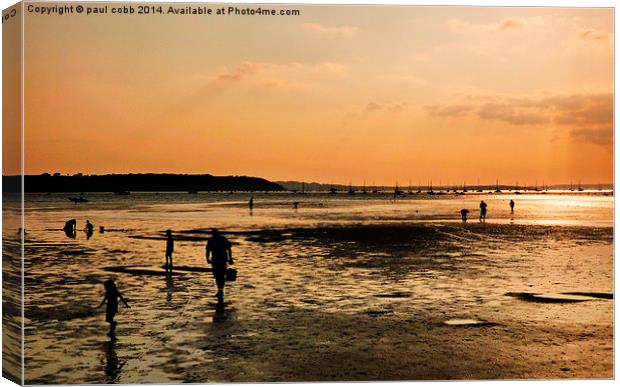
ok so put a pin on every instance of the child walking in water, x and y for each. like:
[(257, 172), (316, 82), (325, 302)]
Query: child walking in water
[(111, 295)]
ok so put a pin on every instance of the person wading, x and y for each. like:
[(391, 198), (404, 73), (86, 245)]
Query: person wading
[(219, 254)]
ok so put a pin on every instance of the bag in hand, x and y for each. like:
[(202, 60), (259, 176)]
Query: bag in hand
[(231, 274)]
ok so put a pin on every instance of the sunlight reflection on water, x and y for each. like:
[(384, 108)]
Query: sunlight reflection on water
[(435, 263)]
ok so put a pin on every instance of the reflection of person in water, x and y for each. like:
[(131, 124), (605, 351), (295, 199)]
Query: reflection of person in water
[(169, 287), (111, 296), (221, 314), (464, 213), (220, 249), (69, 228), (169, 249), (112, 365)]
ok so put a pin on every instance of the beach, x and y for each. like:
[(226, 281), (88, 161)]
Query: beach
[(342, 289)]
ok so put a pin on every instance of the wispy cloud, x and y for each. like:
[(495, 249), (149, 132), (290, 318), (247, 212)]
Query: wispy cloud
[(292, 74), (511, 24), (599, 136), (503, 25), (591, 35), (340, 31), (458, 110), (389, 107), (588, 117)]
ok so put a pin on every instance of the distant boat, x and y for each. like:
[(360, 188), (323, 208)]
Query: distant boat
[(497, 186), (122, 193), (78, 200), (303, 189), (397, 191)]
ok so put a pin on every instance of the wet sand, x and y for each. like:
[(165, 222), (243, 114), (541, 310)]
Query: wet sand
[(349, 303)]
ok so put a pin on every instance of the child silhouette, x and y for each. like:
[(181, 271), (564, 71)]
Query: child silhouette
[(111, 295)]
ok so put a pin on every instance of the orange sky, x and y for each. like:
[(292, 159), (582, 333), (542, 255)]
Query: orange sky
[(338, 94)]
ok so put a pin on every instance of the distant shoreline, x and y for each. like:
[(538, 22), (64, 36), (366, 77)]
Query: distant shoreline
[(141, 182)]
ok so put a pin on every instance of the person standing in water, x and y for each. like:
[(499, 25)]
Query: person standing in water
[(219, 248), (169, 249), (251, 203), (111, 296), (89, 229), (512, 206), (483, 211), (464, 213), (70, 227)]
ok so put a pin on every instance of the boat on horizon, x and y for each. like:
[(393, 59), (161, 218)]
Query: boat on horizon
[(78, 200)]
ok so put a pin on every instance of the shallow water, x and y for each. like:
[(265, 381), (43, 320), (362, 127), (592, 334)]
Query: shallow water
[(365, 254)]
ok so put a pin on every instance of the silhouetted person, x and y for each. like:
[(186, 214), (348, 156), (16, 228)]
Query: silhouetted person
[(169, 249), (220, 248), (101, 229), (70, 227), (483, 211), (464, 213), (512, 206), (111, 296), (89, 229), (295, 205), (251, 203)]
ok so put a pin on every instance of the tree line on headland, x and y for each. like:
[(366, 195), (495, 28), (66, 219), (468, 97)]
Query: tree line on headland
[(150, 182)]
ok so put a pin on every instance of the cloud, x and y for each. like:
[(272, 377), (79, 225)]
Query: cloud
[(448, 110), (340, 31), (582, 109), (373, 106), (511, 114), (392, 108), (592, 35), (242, 70), (510, 24), (590, 39), (588, 117), (599, 136), (292, 75), (504, 25)]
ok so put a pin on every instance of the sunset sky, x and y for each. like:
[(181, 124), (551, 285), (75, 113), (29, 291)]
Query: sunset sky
[(336, 95)]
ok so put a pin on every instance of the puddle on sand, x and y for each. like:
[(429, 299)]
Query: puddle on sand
[(568, 297), (467, 322)]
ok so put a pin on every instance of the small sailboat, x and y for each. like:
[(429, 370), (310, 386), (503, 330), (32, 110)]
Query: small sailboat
[(351, 191), (78, 200)]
